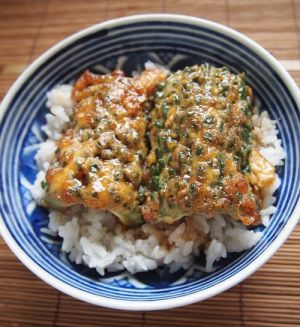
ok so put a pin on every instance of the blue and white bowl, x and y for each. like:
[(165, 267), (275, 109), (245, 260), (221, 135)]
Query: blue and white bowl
[(173, 41)]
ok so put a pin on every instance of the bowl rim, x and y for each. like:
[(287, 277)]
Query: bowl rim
[(183, 300)]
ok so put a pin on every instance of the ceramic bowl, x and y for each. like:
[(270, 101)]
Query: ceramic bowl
[(127, 43)]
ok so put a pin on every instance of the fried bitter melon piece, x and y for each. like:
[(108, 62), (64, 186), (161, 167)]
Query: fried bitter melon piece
[(99, 158), (201, 138)]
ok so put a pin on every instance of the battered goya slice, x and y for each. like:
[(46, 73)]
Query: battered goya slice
[(100, 157), (200, 136)]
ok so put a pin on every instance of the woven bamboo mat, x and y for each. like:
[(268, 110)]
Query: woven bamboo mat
[(270, 297)]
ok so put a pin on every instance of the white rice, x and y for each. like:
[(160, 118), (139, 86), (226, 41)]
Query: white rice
[(98, 240)]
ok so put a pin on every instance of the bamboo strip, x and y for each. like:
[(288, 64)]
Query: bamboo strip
[(81, 314), (22, 307), (251, 306), (32, 285), (12, 69), (256, 299), (265, 274), (199, 321), (34, 290), (290, 316), (266, 278), (201, 315), (70, 323), (270, 297), (271, 283), (265, 303), (27, 316), (271, 307), (14, 321), (262, 323), (86, 319), (267, 287), (278, 319), (14, 299)]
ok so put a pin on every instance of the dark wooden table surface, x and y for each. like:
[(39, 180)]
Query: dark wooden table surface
[(271, 297)]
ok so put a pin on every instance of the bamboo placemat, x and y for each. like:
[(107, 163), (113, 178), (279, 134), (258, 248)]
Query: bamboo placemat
[(270, 297)]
